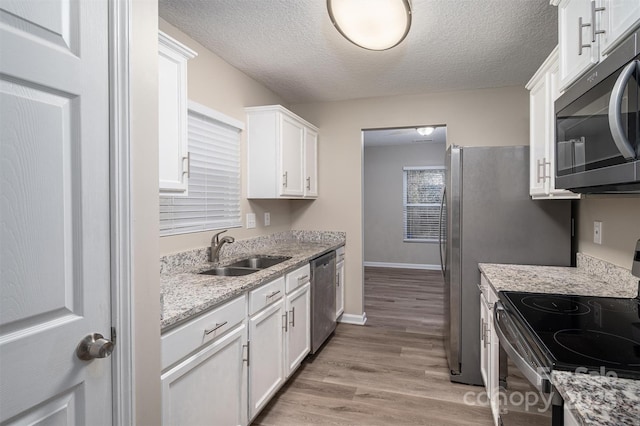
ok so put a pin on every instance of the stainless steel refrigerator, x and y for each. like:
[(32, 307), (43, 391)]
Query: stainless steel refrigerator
[(488, 217)]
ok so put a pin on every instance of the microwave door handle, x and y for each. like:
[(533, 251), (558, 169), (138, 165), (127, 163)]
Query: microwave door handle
[(615, 111), (442, 266)]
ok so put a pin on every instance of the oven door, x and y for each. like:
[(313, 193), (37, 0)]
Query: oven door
[(527, 396), (597, 120)]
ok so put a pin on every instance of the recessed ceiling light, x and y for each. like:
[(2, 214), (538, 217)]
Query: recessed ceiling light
[(371, 24), (425, 131)]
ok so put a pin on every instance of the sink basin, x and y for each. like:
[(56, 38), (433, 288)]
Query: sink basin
[(259, 262), (228, 271)]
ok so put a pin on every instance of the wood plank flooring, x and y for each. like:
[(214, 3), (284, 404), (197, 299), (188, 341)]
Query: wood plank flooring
[(393, 371)]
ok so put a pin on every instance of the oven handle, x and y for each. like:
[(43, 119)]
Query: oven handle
[(615, 111), (538, 378)]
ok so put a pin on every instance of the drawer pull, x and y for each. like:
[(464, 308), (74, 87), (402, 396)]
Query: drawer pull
[(211, 330), (304, 277), (270, 295)]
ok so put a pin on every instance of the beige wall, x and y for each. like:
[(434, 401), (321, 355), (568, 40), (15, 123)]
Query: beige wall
[(480, 117), (383, 210), (217, 85), (620, 217), (144, 210)]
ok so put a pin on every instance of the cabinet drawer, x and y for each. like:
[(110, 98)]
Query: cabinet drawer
[(298, 277), (266, 295), (340, 254), (178, 343)]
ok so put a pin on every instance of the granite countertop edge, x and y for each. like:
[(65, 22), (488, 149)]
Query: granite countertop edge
[(187, 294), (597, 400)]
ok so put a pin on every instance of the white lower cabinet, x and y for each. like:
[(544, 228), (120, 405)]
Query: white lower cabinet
[(224, 366), (297, 330), (266, 355), (209, 387), (489, 348), (339, 282)]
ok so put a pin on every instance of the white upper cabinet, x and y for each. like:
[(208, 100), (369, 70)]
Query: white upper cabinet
[(588, 30), (310, 163), (543, 92), (172, 115), (281, 154)]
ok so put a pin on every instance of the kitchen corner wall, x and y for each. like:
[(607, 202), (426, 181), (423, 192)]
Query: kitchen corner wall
[(214, 83), (620, 217), (479, 117)]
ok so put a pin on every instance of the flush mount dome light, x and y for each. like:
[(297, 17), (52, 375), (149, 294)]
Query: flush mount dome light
[(371, 24), (425, 131)]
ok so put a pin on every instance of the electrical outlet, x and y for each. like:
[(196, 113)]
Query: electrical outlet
[(251, 220), (597, 232), (267, 218)]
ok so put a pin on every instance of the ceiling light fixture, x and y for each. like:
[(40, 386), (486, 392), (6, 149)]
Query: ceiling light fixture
[(425, 131), (371, 24)]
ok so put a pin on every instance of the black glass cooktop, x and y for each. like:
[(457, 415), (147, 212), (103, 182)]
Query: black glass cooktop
[(600, 335)]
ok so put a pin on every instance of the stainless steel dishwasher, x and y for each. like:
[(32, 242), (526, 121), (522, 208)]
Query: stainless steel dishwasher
[(323, 299)]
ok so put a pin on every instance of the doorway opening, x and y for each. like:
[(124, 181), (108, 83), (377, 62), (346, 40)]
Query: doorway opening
[(403, 176)]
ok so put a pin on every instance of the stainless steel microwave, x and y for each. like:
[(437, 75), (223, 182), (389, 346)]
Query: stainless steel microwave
[(598, 126)]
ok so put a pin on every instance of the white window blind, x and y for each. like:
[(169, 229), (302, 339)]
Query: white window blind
[(422, 193), (213, 201)]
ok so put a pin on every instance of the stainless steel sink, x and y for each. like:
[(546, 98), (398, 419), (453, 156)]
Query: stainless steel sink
[(228, 271), (259, 262)]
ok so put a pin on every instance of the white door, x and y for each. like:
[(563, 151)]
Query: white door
[(54, 211), (266, 356), (298, 335), (310, 163), (291, 157)]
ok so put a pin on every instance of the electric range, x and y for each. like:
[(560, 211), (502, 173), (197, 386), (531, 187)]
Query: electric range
[(588, 334)]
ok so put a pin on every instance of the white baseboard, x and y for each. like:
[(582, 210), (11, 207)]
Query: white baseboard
[(403, 265), (353, 319)]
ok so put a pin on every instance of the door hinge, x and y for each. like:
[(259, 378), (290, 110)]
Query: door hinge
[(113, 335), (248, 346)]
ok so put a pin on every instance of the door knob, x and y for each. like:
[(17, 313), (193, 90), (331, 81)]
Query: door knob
[(94, 346)]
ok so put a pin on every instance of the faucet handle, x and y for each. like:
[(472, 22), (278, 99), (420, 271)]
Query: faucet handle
[(214, 239)]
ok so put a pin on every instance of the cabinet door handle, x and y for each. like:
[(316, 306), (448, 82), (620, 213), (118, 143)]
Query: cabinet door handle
[(303, 278), (248, 349), (594, 31), (482, 330), (285, 179), (292, 321), (217, 326), (309, 183), (580, 44), (540, 165), (270, 295), (286, 321), (188, 170)]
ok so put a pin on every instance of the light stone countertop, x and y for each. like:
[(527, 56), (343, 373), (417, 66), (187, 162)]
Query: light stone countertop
[(593, 400), (186, 293), (553, 279)]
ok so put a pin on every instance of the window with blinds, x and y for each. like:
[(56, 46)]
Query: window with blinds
[(214, 181), (422, 192)]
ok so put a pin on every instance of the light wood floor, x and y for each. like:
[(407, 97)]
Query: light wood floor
[(393, 371)]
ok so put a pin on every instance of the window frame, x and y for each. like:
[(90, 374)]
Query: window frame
[(405, 204), (225, 123)]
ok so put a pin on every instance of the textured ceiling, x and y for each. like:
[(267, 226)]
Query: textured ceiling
[(291, 47), (403, 136)]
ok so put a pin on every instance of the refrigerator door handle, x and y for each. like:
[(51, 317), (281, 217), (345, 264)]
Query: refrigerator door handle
[(442, 266)]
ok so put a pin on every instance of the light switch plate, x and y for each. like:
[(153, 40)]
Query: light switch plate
[(267, 218), (251, 220), (597, 232)]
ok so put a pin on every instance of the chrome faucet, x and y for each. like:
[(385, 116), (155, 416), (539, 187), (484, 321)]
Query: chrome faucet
[(216, 245)]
